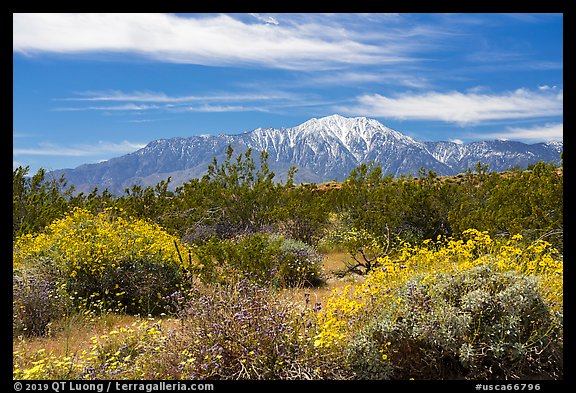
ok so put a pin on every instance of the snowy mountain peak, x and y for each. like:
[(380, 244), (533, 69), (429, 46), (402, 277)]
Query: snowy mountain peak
[(340, 123), (351, 132), (323, 149)]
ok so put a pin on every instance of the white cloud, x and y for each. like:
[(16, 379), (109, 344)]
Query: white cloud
[(268, 19), (460, 108), (160, 97), (125, 107), (146, 100), (220, 108), (361, 77), (100, 148), (208, 40), (546, 87), (547, 132), (139, 121), (117, 95)]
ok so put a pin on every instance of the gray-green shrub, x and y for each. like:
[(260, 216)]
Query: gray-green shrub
[(264, 258), (472, 324)]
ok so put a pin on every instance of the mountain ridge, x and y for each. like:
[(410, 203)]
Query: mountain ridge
[(323, 149)]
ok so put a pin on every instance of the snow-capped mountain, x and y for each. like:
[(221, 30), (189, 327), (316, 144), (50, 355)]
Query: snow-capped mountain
[(323, 149)]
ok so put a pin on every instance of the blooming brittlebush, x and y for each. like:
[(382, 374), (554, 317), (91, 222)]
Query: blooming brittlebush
[(121, 264), (348, 310), (84, 241)]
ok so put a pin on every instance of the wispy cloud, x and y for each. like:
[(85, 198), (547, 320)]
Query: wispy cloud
[(546, 132), (125, 107), (460, 108), (100, 148), (359, 78), (160, 97), (221, 108), (159, 101), (140, 121), (268, 19), (291, 43), (546, 87)]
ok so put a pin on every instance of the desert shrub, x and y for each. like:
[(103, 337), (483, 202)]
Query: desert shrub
[(135, 286), (365, 249), (38, 300), (122, 264), (238, 331), (201, 233), (299, 263), (264, 258), (37, 200), (349, 310), (476, 324)]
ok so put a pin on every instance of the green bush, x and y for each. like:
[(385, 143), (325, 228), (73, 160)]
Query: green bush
[(264, 258), (474, 324), (299, 263), (135, 286)]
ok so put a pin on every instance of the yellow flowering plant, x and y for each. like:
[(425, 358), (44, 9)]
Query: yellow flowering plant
[(348, 310), (130, 264)]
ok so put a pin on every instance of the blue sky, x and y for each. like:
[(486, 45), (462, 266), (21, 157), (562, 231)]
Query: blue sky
[(89, 87)]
